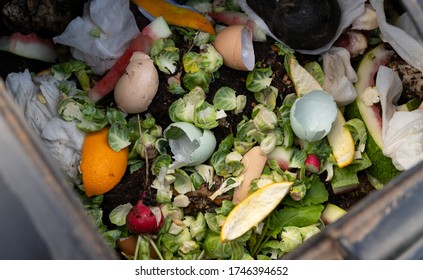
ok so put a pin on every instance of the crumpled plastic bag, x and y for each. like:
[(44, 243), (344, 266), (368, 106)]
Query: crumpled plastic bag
[(350, 10), (38, 98), (102, 34), (407, 46)]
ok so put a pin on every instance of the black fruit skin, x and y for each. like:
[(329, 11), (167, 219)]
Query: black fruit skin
[(305, 24)]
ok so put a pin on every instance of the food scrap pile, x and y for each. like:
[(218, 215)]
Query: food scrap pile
[(195, 130)]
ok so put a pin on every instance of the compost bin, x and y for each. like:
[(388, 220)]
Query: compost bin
[(44, 219)]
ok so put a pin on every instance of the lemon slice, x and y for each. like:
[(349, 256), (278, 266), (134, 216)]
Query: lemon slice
[(303, 81), (252, 210), (341, 141)]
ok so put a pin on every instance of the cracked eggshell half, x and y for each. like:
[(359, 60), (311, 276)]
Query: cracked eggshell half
[(235, 44), (312, 115), (136, 88)]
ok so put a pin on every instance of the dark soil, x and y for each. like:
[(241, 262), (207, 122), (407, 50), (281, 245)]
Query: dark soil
[(132, 185)]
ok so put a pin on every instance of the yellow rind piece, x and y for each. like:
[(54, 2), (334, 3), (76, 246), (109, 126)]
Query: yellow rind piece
[(341, 141), (252, 210), (303, 81), (175, 15)]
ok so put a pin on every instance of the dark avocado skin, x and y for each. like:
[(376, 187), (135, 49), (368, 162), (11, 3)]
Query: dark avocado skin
[(305, 24)]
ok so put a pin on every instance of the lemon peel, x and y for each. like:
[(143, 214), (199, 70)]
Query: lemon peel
[(252, 210), (303, 81)]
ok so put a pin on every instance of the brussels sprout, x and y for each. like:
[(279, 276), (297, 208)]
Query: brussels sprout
[(166, 61), (265, 120), (198, 227), (210, 60), (215, 249), (225, 99), (267, 97), (118, 136), (241, 102), (259, 78), (181, 201), (182, 182), (206, 172), (200, 78), (118, 215), (205, 116)]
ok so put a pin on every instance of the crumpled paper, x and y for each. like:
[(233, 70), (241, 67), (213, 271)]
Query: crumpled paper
[(115, 26), (340, 76), (402, 131), (38, 98)]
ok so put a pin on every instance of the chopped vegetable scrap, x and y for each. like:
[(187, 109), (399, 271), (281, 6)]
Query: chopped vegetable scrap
[(30, 46), (175, 15), (233, 146), (251, 211)]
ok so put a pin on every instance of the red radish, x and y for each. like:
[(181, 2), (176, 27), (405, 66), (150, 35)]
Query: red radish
[(143, 42), (238, 18), (30, 46), (143, 219), (312, 163)]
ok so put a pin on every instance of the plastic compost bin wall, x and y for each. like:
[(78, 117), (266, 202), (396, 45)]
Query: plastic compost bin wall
[(41, 218)]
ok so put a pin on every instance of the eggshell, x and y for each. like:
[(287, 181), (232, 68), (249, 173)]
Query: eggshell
[(254, 161), (127, 245), (312, 115), (136, 88), (235, 44)]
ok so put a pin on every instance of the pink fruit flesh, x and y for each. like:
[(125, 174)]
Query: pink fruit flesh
[(143, 43), (143, 219), (312, 163), (354, 41), (282, 156), (30, 46)]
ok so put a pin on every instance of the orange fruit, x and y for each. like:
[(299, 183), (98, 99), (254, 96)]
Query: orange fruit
[(102, 168)]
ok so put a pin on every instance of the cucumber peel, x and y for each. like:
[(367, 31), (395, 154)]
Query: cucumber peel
[(382, 168)]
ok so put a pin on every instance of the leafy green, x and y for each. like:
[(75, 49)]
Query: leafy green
[(118, 136), (199, 78), (215, 249), (259, 78), (205, 116), (346, 177), (267, 97), (118, 215), (316, 194), (294, 216), (166, 61), (315, 69), (225, 99), (198, 228)]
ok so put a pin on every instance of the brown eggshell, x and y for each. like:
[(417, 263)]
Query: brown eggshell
[(254, 161), (235, 44), (127, 245), (136, 88)]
